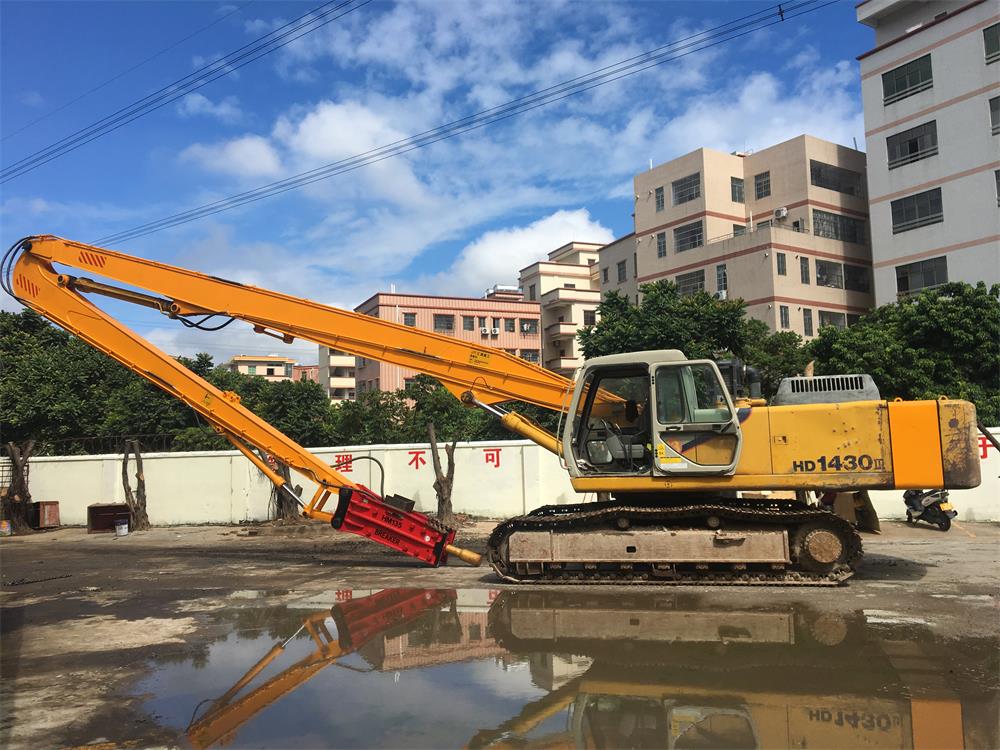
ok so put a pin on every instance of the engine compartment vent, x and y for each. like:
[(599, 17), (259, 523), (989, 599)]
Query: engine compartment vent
[(826, 389)]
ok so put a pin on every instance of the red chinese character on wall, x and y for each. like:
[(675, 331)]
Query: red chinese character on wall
[(984, 445), (492, 456), (343, 462), (417, 459)]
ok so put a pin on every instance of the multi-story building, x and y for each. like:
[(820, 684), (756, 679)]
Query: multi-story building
[(785, 228), (619, 270), (931, 93), (271, 367), (501, 319), (568, 290), (336, 374), (306, 372)]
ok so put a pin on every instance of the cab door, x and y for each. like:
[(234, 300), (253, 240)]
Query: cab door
[(695, 427)]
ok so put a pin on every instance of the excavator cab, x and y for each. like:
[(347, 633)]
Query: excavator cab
[(652, 413)]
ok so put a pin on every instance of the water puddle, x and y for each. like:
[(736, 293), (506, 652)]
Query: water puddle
[(416, 668)]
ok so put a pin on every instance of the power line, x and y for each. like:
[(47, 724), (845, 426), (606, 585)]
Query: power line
[(265, 45), (125, 72), (602, 76)]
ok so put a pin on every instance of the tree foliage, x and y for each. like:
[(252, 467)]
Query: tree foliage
[(944, 341), (699, 325)]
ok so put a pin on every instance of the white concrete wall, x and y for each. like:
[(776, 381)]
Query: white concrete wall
[(223, 487)]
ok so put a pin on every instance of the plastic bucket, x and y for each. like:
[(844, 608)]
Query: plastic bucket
[(5, 529), (121, 528)]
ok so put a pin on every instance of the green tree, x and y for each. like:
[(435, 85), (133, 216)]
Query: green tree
[(775, 355), (373, 417), (699, 325), (944, 341)]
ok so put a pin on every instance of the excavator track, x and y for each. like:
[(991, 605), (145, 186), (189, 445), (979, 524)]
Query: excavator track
[(807, 528)]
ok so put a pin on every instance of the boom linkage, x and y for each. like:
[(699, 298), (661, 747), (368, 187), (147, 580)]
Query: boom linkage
[(39, 286)]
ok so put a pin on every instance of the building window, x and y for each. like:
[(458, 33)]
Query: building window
[(689, 283), (838, 227), (251, 369), (468, 323), (686, 189), (995, 115), (804, 269), (907, 80), (529, 326), (288, 371), (510, 325), (689, 236), (739, 229), (736, 189), (829, 274), (635, 265), (853, 319), (783, 316), (661, 244), (991, 41), (269, 371), (782, 264), (569, 286), (924, 274), (763, 224), (604, 275), (721, 278), (996, 174), (831, 177), (590, 317), (916, 211), (529, 355), (482, 321), (496, 325), (912, 145), (857, 278), (807, 321), (835, 319), (531, 293), (410, 319), (622, 271), (659, 198), (444, 323), (409, 384), (762, 185)]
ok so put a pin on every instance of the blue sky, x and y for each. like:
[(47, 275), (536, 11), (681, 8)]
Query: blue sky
[(453, 218)]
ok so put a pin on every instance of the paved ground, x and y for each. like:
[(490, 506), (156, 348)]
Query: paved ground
[(82, 615)]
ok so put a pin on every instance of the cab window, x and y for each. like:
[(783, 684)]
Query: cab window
[(690, 394)]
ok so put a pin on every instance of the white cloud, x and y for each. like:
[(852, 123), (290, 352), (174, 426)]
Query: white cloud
[(498, 255), (31, 99), (247, 156), (227, 109)]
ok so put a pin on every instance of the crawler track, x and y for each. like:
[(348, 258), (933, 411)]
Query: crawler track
[(797, 521)]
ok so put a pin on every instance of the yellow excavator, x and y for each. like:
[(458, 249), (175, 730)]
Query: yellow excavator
[(683, 469)]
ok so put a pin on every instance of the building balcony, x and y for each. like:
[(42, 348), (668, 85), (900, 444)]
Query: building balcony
[(562, 296), (561, 364), (341, 383), (561, 330), (341, 360)]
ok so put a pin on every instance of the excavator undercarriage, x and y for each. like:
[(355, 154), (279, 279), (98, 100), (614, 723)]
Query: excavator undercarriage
[(669, 543)]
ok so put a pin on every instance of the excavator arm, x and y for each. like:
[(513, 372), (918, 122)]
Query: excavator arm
[(476, 374)]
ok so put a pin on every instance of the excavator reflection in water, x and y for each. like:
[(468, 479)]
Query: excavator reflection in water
[(654, 671)]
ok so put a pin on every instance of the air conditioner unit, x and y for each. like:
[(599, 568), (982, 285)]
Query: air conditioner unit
[(495, 331), (721, 294), (484, 331), (781, 213)]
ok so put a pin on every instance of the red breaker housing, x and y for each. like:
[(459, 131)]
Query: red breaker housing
[(360, 511)]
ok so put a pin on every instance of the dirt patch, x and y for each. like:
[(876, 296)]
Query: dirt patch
[(104, 633)]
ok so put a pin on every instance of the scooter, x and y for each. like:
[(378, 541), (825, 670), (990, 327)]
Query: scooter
[(930, 506)]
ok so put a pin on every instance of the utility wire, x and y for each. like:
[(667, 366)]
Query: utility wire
[(600, 77), (125, 72), (265, 45)]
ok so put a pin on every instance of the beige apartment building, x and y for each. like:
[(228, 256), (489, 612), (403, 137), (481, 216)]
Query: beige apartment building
[(336, 374), (618, 268), (567, 289), (785, 228), (271, 368), (501, 319)]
